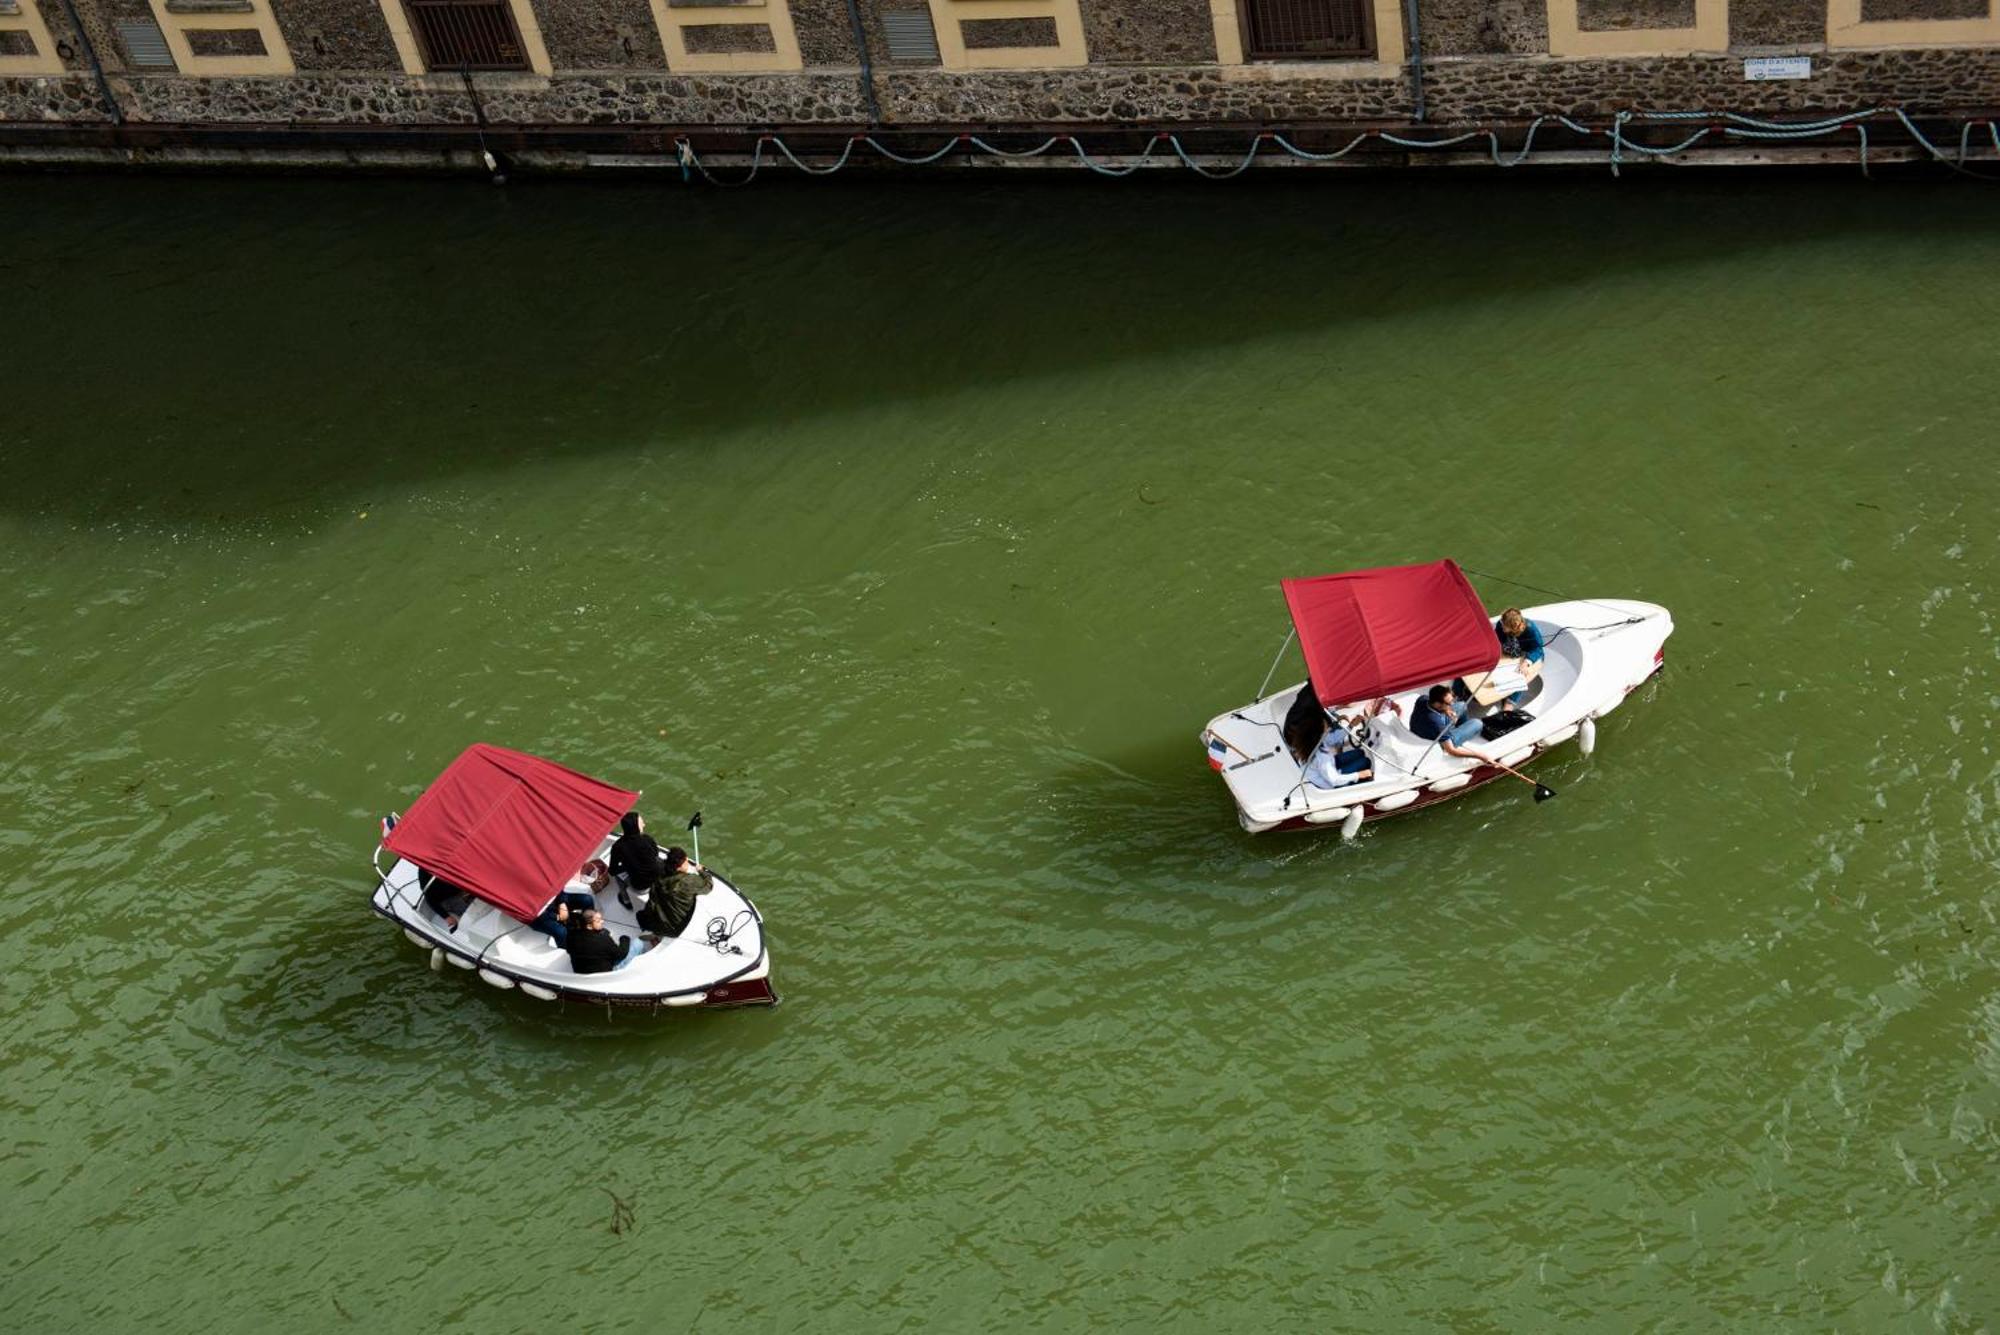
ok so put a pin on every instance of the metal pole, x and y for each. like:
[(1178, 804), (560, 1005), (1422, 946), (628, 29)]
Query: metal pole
[(1280, 658), (90, 53), (1415, 38), (867, 65)]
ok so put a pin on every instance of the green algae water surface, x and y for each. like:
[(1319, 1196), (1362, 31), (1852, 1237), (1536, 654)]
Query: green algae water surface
[(912, 532)]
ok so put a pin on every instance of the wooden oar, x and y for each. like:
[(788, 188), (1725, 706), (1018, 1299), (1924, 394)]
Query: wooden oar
[(1542, 791)]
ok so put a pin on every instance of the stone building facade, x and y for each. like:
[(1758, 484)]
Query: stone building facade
[(610, 73)]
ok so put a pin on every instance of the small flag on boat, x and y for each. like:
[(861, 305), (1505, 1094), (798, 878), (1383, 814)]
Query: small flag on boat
[(1218, 752)]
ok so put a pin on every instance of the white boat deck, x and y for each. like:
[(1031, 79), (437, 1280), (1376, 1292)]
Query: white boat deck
[(1586, 670), (488, 938)]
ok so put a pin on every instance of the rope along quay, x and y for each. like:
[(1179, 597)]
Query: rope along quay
[(1164, 149)]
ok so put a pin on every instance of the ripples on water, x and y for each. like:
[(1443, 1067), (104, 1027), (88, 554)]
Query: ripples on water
[(912, 534)]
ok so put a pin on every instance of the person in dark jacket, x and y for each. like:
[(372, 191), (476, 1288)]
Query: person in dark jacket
[(593, 950), (446, 900), (1441, 717), (561, 915), (635, 862), (565, 910), (673, 903)]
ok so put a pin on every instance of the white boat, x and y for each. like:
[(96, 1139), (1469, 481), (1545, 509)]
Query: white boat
[(514, 831), (1395, 632)]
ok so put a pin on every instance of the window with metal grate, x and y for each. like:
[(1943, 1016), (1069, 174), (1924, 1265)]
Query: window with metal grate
[(467, 34), (145, 45), (1308, 29), (910, 36)]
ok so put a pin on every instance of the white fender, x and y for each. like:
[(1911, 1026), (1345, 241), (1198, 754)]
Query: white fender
[(1586, 736), (538, 993), (1352, 825), (1559, 736), (1451, 783), (1396, 801), (415, 940), (437, 959), (1515, 758), (499, 980), (691, 999), (1327, 815), (460, 961)]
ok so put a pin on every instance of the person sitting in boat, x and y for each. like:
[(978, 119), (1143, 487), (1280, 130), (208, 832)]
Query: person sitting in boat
[(446, 900), (1305, 723), (673, 903), (1442, 717), (1339, 759), (565, 908), (1520, 645), (635, 862), (592, 949)]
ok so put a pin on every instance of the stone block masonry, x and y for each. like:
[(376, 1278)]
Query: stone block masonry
[(1168, 65)]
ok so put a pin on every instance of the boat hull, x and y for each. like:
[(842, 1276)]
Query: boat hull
[(1589, 672), (719, 961), (1477, 778), (751, 986)]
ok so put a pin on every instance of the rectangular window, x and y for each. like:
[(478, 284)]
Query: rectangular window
[(1009, 34), (210, 43), (910, 36), (1308, 29), (145, 45), (467, 34)]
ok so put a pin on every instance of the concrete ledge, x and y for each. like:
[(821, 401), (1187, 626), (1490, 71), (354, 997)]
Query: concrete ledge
[(467, 158)]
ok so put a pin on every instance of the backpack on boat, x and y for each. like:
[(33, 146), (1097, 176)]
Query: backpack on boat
[(1495, 726)]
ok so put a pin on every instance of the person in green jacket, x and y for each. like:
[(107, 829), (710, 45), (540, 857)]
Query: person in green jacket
[(672, 906)]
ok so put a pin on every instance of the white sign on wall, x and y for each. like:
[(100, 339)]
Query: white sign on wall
[(1758, 68)]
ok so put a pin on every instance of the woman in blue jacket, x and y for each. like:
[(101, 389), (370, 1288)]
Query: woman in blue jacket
[(1520, 643)]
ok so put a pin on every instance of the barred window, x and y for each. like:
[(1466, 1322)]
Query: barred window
[(467, 34), (1308, 29)]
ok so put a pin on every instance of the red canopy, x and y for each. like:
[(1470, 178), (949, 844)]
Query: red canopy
[(1370, 632), (509, 827)]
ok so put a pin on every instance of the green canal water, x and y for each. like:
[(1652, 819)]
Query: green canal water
[(912, 532)]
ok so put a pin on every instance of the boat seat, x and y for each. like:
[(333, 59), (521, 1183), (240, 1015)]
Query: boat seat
[(536, 950), (1398, 750)]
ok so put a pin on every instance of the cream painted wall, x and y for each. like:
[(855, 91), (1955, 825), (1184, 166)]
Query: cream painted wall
[(774, 14), (44, 60), (277, 57), (1069, 49), (1845, 28), (1710, 33)]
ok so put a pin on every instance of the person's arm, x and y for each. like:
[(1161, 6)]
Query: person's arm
[(1452, 748)]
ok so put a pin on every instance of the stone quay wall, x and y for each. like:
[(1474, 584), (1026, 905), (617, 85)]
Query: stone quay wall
[(202, 67)]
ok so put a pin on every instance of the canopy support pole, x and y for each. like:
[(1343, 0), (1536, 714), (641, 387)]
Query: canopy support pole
[(1279, 659)]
